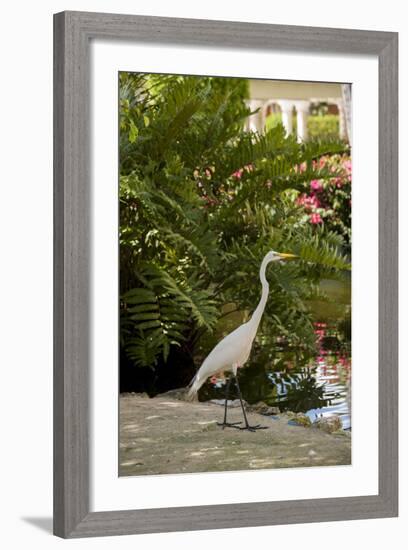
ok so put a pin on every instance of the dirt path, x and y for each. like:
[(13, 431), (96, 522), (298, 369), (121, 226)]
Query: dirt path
[(166, 436)]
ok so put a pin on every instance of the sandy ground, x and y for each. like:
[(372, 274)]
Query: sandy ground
[(166, 436)]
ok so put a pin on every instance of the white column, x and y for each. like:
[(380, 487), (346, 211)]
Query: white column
[(256, 121), (342, 120), (302, 113), (346, 96), (287, 111)]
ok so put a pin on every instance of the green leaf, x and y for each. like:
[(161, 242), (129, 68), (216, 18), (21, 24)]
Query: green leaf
[(133, 132)]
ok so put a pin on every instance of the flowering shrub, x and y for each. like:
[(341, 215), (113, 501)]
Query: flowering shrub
[(328, 201), (201, 202)]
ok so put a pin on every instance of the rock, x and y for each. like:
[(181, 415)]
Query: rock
[(143, 395), (263, 408), (178, 393), (165, 444), (300, 419), (328, 424)]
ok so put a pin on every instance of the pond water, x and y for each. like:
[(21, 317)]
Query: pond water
[(285, 377), (322, 387)]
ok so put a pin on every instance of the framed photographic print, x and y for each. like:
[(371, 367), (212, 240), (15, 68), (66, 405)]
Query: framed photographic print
[(225, 274)]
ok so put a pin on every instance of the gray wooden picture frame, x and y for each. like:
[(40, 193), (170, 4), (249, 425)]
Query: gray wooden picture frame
[(72, 34)]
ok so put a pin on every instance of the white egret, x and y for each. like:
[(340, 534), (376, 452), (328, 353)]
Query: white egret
[(233, 351)]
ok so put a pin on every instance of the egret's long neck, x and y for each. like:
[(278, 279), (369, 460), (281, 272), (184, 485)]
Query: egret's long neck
[(257, 315)]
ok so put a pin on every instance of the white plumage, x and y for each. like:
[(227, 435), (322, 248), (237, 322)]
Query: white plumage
[(234, 350)]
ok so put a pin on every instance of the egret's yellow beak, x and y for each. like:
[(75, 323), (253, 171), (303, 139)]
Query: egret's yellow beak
[(287, 256)]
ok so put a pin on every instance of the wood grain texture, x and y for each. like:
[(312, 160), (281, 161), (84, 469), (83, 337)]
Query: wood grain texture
[(72, 33), (230, 34), (388, 273), (71, 284)]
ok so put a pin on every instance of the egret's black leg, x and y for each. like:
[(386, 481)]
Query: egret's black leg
[(247, 426), (226, 399), (225, 423)]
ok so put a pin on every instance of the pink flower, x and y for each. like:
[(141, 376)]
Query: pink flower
[(299, 168), (316, 185), (238, 173), (308, 201), (314, 201), (315, 218), (301, 200), (347, 165)]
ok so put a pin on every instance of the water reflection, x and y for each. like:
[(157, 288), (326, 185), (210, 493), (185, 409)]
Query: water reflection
[(336, 379), (290, 380)]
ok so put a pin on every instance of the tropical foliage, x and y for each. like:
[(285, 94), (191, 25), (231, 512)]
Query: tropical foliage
[(201, 202), (329, 201), (318, 125)]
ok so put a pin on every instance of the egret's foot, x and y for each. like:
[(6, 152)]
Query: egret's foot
[(229, 425), (253, 428)]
